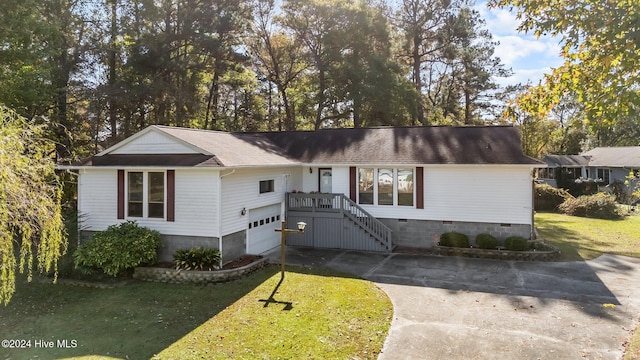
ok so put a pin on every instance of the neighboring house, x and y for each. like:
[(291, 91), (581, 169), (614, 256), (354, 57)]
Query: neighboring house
[(605, 165), (569, 167), (367, 189)]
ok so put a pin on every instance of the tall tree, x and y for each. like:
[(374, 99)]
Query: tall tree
[(318, 26), (421, 23), (30, 215), (601, 47), (278, 56), (475, 68), (42, 44), (530, 111)]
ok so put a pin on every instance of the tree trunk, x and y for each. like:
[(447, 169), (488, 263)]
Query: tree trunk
[(214, 97), (289, 122), (322, 85), (417, 80), (113, 115)]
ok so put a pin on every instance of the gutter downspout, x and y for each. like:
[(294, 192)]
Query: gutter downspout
[(219, 212), (533, 206)]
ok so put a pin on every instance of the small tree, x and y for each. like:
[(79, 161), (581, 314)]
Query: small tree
[(633, 181), (30, 193)]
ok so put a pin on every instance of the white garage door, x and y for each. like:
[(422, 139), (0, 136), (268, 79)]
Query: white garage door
[(262, 224)]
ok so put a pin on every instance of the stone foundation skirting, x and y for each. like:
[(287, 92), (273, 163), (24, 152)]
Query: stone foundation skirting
[(538, 255), (174, 276)]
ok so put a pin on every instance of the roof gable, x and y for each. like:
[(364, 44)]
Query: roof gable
[(153, 140)]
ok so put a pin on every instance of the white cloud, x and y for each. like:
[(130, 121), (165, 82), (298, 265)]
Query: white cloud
[(499, 21), (513, 48), (529, 57)]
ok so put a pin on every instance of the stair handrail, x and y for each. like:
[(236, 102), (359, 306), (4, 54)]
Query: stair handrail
[(375, 227), (325, 202)]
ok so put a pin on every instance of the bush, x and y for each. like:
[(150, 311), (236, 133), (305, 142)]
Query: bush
[(119, 248), (486, 241), (454, 239), (548, 198), (599, 206), (516, 243), (197, 259)]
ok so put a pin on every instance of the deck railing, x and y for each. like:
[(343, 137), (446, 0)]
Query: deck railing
[(339, 203)]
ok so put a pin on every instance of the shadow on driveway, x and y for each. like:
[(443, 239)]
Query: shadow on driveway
[(455, 307)]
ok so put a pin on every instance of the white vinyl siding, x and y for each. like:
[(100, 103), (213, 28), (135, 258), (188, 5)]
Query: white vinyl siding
[(154, 142), (97, 199), (195, 203), (241, 190), (492, 194), (499, 194), (309, 180)]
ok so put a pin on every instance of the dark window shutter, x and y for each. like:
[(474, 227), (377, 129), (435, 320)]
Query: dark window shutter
[(120, 194), (419, 187), (353, 183), (171, 195)]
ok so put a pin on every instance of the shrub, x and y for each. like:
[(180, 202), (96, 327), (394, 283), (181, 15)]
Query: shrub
[(486, 241), (548, 198), (119, 248), (516, 243), (454, 239), (599, 206), (197, 259)]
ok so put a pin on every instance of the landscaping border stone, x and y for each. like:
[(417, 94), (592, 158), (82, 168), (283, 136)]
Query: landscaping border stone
[(535, 255), (174, 276)]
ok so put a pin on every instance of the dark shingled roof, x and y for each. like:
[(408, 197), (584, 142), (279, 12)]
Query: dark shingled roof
[(405, 145), (566, 160), (383, 145)]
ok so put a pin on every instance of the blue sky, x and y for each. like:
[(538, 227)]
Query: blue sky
[(529, 58)]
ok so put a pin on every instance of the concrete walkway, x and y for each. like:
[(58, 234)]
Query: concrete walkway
[(463, 308)]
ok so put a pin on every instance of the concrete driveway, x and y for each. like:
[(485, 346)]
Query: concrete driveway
[(463, 308)]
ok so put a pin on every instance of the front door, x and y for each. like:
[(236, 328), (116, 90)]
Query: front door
[(325, 181)]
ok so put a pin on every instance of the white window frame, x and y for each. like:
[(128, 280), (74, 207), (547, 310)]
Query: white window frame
[(608, 172), (395, 186), (145, 195)]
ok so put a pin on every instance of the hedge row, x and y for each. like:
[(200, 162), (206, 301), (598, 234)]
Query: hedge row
[(600, 206), (484, 241)]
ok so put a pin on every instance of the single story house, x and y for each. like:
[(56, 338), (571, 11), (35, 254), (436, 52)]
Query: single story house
[(367, 188), (604, 165)]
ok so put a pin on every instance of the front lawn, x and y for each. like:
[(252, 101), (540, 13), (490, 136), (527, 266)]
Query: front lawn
[(310, 316), (328, 314), (585, 238)]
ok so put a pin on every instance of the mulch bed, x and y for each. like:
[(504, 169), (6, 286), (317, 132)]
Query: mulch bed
[(233, 264)]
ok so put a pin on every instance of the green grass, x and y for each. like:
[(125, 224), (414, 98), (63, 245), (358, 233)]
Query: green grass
[(140, 319), (633, 350), (309, 317), (585, 238)]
